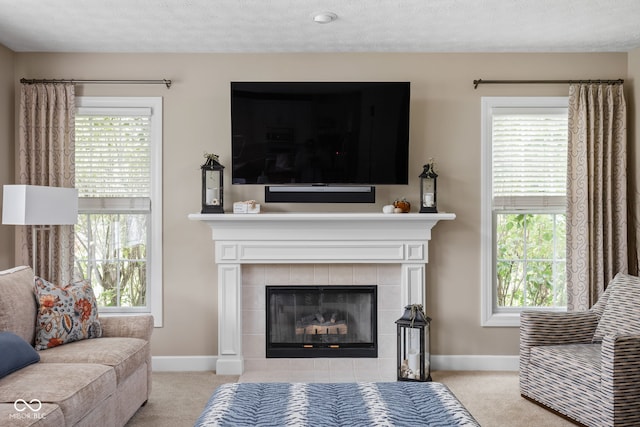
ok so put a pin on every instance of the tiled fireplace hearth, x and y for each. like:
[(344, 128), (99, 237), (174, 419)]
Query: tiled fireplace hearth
[(253, 251)]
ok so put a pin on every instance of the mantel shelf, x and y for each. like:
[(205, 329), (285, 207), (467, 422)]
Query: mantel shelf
[(322, 226), (324, 216)]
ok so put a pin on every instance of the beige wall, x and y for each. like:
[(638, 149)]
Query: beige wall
[(445, 124), (7, 87)]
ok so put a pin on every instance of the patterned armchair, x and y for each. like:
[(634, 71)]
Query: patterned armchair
[(586, 365)]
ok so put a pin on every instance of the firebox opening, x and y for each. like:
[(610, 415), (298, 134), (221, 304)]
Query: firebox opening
[(321, 321)]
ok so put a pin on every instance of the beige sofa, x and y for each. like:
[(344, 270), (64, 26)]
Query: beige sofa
[(92, 382)]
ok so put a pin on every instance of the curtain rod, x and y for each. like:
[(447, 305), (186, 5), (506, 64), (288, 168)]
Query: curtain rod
[(165, 82), (480, 81)]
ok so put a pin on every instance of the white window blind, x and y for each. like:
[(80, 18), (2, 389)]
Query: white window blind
[(529, 158), (113, 152)]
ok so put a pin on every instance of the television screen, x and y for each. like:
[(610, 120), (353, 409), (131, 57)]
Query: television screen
[(320, 132)]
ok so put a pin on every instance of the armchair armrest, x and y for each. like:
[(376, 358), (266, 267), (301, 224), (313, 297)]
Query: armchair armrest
[(555, 328), (620, 363), (132, 326)]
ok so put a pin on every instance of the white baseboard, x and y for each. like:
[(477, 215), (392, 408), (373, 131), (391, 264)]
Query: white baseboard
[(183, 363), (438, 363), (474, 363)]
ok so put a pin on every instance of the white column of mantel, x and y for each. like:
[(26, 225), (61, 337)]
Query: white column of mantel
[(316, 239), (413, 285), (230, 360)]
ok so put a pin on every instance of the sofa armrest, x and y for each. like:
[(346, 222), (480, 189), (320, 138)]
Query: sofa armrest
[(620, 379), (132, 326)]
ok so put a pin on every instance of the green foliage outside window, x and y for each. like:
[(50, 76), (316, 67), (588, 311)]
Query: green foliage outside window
[(530, 254)]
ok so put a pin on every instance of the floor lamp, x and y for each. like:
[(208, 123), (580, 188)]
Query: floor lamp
[(41, 207)]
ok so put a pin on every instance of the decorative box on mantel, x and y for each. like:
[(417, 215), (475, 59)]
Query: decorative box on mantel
[(311, 238)]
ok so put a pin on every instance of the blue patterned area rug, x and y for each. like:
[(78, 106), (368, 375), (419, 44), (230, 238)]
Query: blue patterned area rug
[(335, 404)]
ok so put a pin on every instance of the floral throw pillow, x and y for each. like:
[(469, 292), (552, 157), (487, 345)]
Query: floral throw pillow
[(65, 314)]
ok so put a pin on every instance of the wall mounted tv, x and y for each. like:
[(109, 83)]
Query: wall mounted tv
[(320, 133)]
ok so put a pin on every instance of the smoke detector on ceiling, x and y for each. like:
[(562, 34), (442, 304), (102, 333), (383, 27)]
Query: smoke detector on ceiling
[(324, 17)]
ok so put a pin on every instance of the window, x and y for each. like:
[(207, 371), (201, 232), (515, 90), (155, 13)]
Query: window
[(118, 144), (524, 172)]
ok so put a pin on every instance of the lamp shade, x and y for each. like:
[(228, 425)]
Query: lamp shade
[(39, 205)]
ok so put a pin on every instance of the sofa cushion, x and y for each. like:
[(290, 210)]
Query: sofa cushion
[(48, 414), (18, 303), (16, 353), (76, 388), (621, 315), (125, 355), (65, 313)]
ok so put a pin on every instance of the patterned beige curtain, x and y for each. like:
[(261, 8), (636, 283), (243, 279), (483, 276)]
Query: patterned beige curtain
[(46, 157), (596, 191)]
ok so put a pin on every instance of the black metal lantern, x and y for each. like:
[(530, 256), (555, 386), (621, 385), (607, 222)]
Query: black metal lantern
[(212, 189), (428, 179), (414, 347)]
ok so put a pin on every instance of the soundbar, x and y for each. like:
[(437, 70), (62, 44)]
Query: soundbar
[(319, 194)]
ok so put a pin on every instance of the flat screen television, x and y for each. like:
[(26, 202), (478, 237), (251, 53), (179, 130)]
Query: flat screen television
[(320, 133)]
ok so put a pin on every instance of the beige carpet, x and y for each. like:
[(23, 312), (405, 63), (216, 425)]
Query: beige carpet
[(493, 398)]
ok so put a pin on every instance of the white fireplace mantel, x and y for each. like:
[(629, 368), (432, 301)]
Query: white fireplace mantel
[(311, 238)]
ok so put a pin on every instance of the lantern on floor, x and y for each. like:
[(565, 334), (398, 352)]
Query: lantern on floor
[(414, 349), (212, 190), (428, 188)]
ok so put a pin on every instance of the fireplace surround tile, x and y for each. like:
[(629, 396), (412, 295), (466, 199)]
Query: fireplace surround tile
[(388, 274), (386, 321), (302, 274), (254, 346), (253, 274), (323, 370), (279, 364), (387, 346), (254, 323), (253, 297), (364, 275), (320, 274), (253, 314), (276, 274), (341, 364), (341, 274), (389, 298)]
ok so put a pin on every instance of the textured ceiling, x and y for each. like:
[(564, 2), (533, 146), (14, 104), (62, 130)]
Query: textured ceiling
[(287, 25)]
